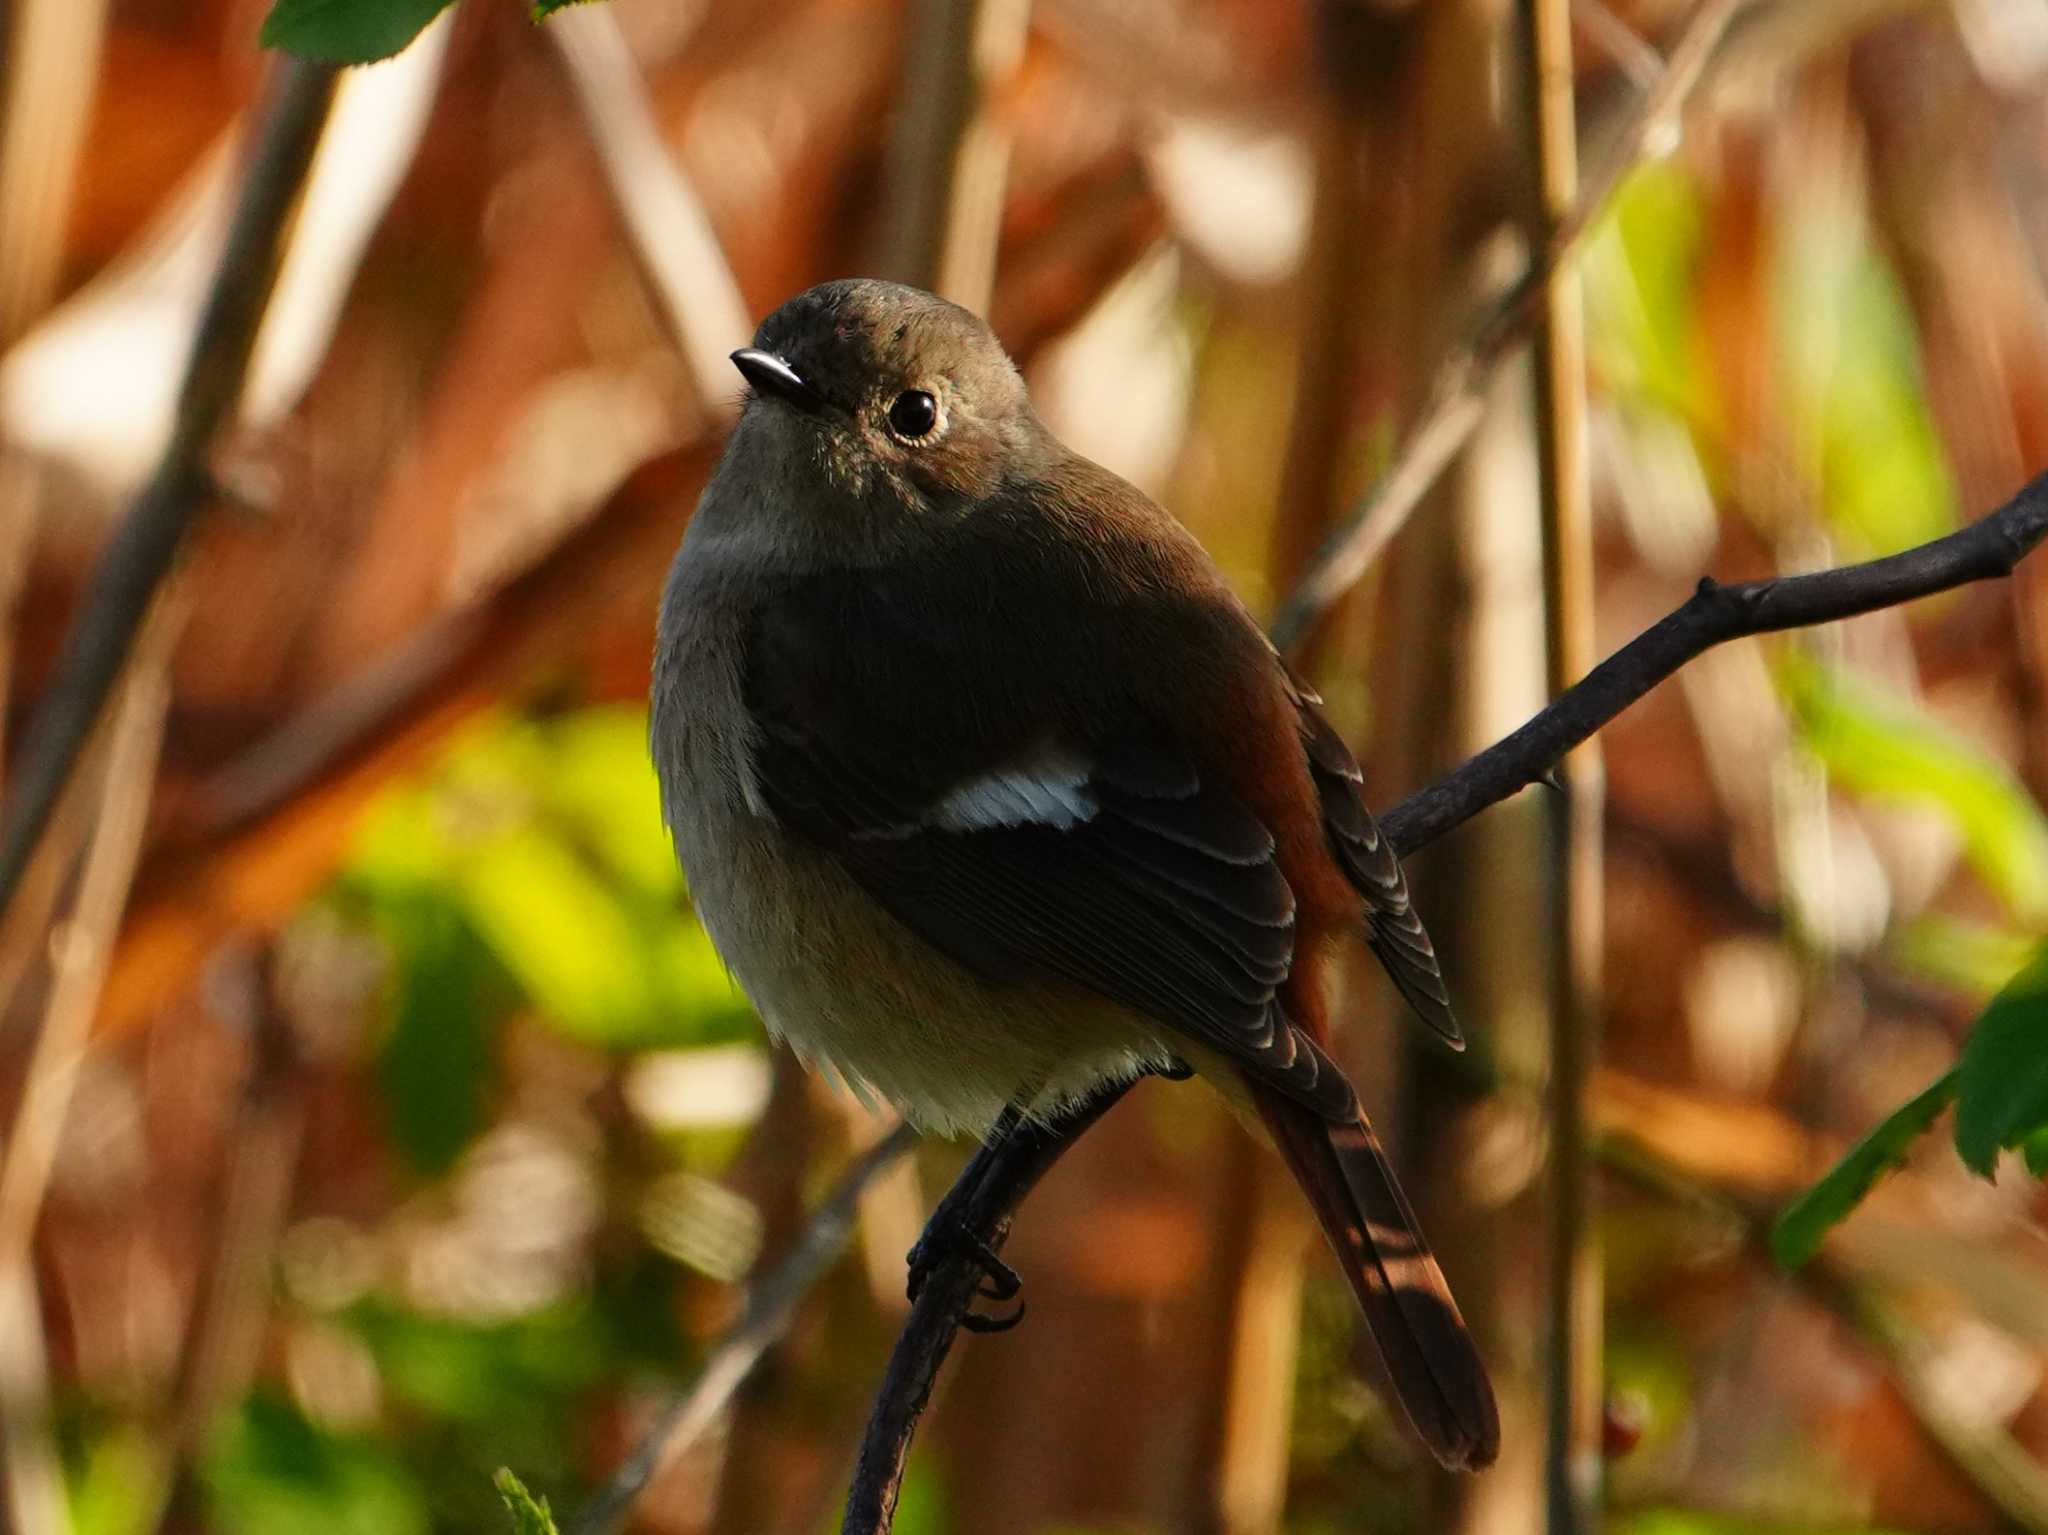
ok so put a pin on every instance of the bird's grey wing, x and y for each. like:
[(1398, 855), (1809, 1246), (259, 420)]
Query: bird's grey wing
[(1108, 865), (1392, 927)]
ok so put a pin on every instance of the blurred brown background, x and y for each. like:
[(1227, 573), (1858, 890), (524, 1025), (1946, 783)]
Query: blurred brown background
[(389, 1121)]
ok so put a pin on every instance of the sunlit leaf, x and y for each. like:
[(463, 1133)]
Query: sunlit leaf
[(270, 1471), (546, 835), (2004, 1098), (2034, 1148), (1642, 271), (607, 972), (348, 31), (402, 843), (1855, 391), (1798, 1232), (1878, 745), (112, 1486), (600, 780), (1973, 957), (530, 1516)]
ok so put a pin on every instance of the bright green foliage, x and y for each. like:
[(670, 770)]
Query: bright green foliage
[(1797, 1235), (1848, 369), (545, 838), (1879, 745), (1641, 266), (1973, 958), (348, 31), (2000, 1089), (110, 1483), (482, 1373), (1856, 401), (530, 1516), (271, 1471), (2004, 1097)]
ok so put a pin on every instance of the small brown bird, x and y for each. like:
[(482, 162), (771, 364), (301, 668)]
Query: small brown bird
[(989, 789)]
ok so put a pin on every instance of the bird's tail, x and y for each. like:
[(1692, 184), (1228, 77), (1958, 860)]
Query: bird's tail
[(1435, 1368)]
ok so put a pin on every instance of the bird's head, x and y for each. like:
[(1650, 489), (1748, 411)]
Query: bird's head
[(897, 400)]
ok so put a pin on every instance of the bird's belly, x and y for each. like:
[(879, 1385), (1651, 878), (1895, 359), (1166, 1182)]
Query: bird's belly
[(860, 996)]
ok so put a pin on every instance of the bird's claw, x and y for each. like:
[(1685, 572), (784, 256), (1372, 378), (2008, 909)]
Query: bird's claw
[(975, 1321), (944, 1239)]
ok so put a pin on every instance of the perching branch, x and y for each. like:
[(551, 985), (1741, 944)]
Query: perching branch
[(285, 129), (983, 1200), (999, 1179), (1714, 613)]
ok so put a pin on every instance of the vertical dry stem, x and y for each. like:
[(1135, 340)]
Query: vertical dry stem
[(1573, 1388)]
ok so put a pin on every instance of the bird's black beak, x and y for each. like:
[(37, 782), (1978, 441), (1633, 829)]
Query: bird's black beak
[(770, 375)]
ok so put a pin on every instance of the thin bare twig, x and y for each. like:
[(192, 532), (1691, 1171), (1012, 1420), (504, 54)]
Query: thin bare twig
[(81, 950), (771, 1303), (949, 157), (671, 234), (53, 50), (255, 1205), (1452, 407), (286, 129), (1621, 42)]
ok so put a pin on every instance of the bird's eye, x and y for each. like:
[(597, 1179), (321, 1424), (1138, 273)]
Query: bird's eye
[(913, 414)]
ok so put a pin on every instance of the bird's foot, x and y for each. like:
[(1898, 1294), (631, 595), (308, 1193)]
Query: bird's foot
[(947, 1237)]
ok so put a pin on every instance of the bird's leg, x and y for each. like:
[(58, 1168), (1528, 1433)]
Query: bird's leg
[(973, 1219), (948, 1234)]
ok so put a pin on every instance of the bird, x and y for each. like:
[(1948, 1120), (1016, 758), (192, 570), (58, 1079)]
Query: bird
[(989, 789)]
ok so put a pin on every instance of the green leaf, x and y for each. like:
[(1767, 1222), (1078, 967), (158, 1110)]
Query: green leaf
[(543, 9), (486, 1373), (2004, 1098), (1854, 390), (572, 944), (594, 773), (270, 1471), (529, 1516), (1879, 745), (1797, 1234), (2035, 1149), (113, 1487), (348, 31), (436, 1063), (1642, 265)]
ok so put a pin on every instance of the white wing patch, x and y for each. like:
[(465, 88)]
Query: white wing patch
[(1050, 790)]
